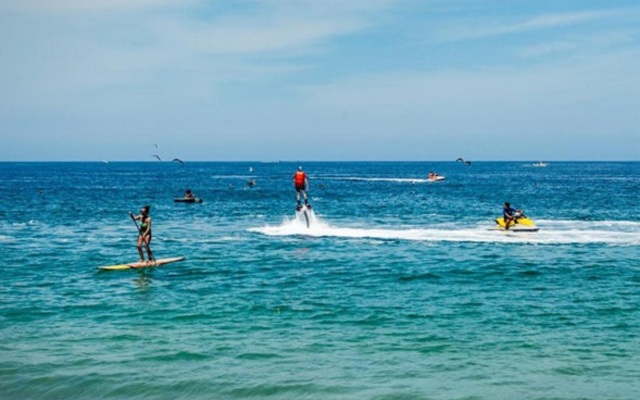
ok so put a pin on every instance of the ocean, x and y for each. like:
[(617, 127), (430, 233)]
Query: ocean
[(399, 289)]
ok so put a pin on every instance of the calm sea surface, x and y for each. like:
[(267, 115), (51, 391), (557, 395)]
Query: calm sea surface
[(398, 290)]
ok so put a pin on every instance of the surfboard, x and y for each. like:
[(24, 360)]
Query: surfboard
[(134, 265), (190, 200)]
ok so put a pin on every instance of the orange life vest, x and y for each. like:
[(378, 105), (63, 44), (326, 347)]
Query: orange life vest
[(299, 178)]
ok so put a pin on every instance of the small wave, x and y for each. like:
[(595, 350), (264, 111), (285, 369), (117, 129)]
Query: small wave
[(233, 176), (6, 239), (21, 224), (201, 241)]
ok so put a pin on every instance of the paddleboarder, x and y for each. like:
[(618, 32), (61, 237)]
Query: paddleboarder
[(144, 232)]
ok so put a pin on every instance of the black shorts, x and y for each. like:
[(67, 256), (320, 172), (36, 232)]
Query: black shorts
[(300, 188)]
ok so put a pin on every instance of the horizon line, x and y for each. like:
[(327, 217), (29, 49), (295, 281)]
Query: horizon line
[(304, 161)]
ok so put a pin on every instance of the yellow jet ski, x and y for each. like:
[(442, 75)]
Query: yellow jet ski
[(520, 224)]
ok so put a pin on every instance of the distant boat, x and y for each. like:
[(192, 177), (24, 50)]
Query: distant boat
[(540, 164)]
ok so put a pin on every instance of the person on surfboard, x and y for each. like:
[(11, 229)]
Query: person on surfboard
[(301, 184), (144, 232)]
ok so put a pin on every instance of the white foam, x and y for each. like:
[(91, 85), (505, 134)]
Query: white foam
[(397, 180), (560, 232), (6, 239), (563, 224)]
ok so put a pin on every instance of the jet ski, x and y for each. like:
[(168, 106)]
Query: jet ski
[(520, 224), (433, 177)]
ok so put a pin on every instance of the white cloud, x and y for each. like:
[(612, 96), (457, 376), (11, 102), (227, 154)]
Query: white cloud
[(481, 27), (71, 6), (72, 61), (571, 44), (599, 95), (51, 61), (254, 36), (273, 26)]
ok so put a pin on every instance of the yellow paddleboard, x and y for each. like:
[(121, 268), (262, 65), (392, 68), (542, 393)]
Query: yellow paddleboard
[(138, 264)]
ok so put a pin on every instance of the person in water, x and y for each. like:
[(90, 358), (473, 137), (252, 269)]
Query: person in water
[(144, 234), (301, 183), (188, 194), (510, 215)]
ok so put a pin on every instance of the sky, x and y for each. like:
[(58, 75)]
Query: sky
[(319, 80)]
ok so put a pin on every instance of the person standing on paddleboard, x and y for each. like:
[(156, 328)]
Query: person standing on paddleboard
[(301, 184), (144, 232)]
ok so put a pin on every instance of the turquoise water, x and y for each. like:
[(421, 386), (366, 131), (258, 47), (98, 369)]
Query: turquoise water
[(398, 290)]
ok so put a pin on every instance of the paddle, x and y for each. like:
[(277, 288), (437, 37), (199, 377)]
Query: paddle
[(138, 228)]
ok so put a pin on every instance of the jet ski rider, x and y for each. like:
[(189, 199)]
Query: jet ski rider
[(510, 215)]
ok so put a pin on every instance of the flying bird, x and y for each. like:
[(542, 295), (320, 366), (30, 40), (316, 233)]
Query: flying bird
[(178, 160), (464, 161), (156, 156)]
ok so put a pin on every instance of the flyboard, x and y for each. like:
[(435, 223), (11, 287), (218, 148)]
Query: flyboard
[(521, 224), (138, 264), (305, 215)]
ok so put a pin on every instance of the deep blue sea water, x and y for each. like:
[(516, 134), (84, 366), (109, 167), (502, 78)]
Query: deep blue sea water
[(398, 290)]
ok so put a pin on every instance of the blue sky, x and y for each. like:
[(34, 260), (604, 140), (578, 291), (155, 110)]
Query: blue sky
[(319, 80)]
